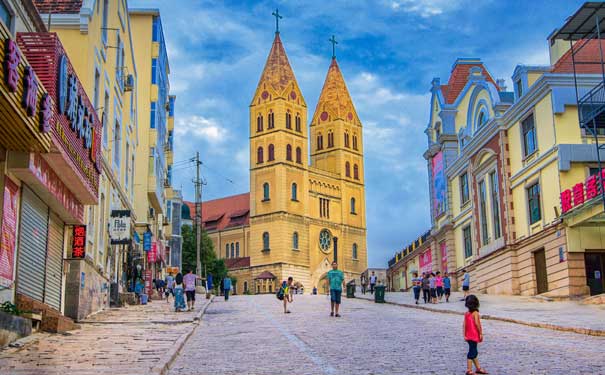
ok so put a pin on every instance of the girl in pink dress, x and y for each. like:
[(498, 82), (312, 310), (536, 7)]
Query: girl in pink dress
[(473, 334)]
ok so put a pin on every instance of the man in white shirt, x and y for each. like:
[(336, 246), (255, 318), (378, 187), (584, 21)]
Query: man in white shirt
[(373, 279)]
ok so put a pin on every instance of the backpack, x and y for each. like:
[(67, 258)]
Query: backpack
[(280, 294)]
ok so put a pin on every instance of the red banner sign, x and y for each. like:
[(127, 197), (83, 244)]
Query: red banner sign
[(426, 261), (9, 231), (79, 242), (443, 257), (582, 192), (148, 286), (152, 254)]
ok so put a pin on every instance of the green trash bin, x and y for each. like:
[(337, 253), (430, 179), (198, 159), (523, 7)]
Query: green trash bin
[(379, 293), (350, 290)]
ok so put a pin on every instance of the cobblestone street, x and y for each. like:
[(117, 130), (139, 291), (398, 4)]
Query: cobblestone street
[(251, 335)]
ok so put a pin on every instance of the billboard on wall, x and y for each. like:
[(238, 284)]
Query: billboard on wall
[(439, 190), (119, 227), (426, 261), (9, 232), (443, 257)]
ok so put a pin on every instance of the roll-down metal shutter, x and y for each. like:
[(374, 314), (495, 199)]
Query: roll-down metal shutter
[(32, 246), (54, 262)]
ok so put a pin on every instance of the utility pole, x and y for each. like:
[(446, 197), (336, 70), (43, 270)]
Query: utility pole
[(198, 215)]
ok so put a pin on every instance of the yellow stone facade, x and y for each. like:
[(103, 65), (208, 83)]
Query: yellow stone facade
[(293, 202)]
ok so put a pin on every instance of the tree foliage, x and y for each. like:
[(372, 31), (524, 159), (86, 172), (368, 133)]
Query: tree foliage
[(215, 267)]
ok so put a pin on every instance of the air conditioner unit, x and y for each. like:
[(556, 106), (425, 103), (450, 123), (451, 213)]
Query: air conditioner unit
[(129, 83)]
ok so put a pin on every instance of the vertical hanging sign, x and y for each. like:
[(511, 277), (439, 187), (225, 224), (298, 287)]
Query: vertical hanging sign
[(9, 231), (79, 242)]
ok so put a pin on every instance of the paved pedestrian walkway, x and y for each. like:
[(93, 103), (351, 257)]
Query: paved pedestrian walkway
[(563, 315), (251, 335), (132, 340)]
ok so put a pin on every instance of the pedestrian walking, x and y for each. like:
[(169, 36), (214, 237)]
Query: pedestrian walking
[(179, 293), (439, 285), (227, 287), (473, 334), (373, 279), (336, 280), (433, 288), (169, 286), (364, 283), (466, 284), (189, 282), (417, 286), (447, 287), (426, 290)]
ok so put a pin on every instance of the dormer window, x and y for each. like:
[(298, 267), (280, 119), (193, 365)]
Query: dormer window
[(519, 88)]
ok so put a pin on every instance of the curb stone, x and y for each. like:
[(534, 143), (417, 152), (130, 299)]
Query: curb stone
[(553, 327), (164, 364)]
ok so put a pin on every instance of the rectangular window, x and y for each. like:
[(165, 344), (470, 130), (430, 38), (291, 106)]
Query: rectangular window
[(101, 225), (154, 71), (152, 115), (464, 195), (468, 245), (493, 179), (533, 203), (127, 161), (156, 30), (117, 144), (483, 212), (132, 174), (105, 19), (529, 135), (104, 119), (95, 100)]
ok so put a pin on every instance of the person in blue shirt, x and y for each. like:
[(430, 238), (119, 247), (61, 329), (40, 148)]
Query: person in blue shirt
[(447, 286), (336, 280), (466, 283), (227, 287)]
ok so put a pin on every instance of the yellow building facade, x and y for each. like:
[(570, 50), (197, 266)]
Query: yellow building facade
[(302, 215)]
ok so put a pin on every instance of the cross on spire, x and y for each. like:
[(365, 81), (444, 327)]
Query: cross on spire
[(277, 17), (334, 43)]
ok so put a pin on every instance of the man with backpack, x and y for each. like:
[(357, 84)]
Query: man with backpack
[(285, 294)]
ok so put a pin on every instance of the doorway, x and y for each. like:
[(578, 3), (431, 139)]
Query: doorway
[(595, 265), (541, 278)]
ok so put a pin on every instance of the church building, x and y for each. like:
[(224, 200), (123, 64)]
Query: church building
[(299, 216)]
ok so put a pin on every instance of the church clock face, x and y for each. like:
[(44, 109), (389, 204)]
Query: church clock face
[(325, 240)]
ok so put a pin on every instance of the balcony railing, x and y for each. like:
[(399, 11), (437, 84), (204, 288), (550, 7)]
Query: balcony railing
[(592, 107)]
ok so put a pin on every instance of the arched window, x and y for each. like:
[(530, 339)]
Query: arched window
[(353, 206), (348, 169), (288, 120), (330, 139), (259, 155), (298, 127), (289, 153), (298, 155), (320, 141), (271, 155), (227, 251), (354, 251), (482, 118), (245, 287), (259, 123), (294, 191), (354, 142), (346, 139), (270, 120), (266, 191), (295, 240), (266, 241), (356, 172), (237, 249), (232, 250)]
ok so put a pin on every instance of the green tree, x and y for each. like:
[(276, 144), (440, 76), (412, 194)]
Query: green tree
[(215, 267)]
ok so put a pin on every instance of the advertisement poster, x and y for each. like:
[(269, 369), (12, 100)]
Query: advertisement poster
[(148, 286), (443, 258), (119, 227), (438, 185), (9, 231), (153, 253), (426, 261)]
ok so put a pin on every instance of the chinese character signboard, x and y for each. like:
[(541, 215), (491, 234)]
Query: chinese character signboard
[(9, 230), (438, 184), (426, 261), (119, 227), (152, 255), (78, 249), (147, 241), (148, 286), (582, 192)]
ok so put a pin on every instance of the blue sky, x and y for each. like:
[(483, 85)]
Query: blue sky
[(389, 51)]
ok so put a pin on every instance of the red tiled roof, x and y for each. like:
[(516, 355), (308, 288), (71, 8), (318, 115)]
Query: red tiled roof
[(58, 6), (235, 263), (229, 211), (589, 52), (459, 78), (265, 275)]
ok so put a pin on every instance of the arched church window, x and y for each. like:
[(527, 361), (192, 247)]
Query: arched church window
[(354, 141), (298, 126), (294, 191), (266, 196), (346, 139), (271, 120), (266, 241), (289, 153), (288, 120), (354, 251), (271, 155), (356, 172), (295, 240), (259, 123), (348, 169), (259, 155), (353, 206), (320, 141), (298, 155), (330, 139)]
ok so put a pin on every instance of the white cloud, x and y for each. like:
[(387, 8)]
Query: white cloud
[(425, 8), (208, 129)]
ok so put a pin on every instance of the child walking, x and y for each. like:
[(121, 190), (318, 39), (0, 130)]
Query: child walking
[(473, 334)]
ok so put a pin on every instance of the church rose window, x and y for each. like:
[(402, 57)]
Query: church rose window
[(325, 240)]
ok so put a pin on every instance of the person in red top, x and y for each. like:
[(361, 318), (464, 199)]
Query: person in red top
[(473, 334)]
